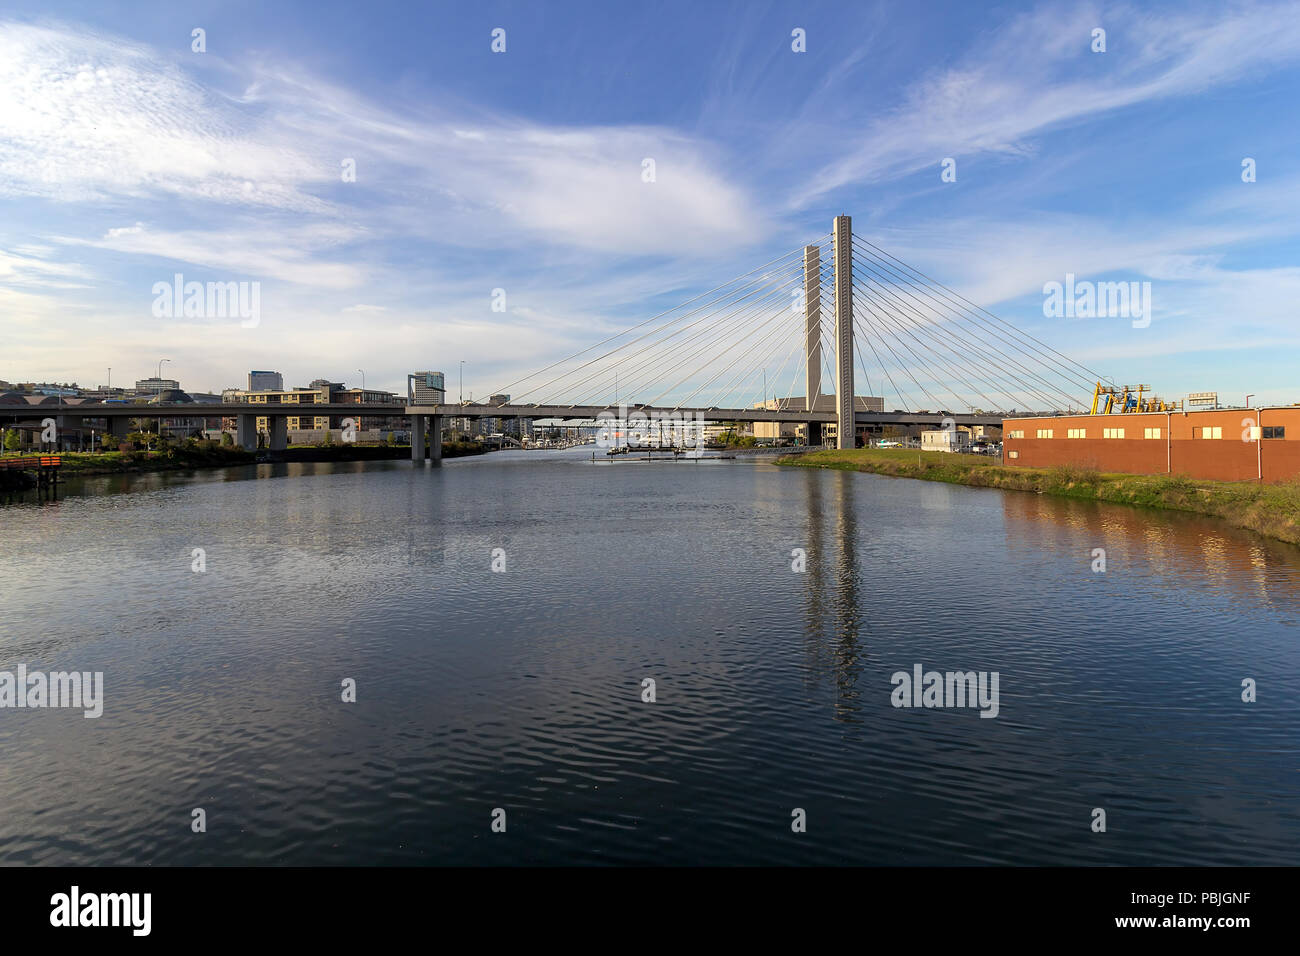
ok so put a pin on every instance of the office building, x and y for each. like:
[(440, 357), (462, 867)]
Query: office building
[(425, 388), (152, 386), (265, 382)]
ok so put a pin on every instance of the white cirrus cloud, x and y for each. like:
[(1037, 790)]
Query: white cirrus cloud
[(1037, 73), (85, 117)]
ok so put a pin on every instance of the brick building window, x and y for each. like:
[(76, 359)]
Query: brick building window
[(1076, 433), (1013, 454), (1016, 434), (1045, 433), (1274, 431), (1112, 433), (1215, 431), (1151, 433)]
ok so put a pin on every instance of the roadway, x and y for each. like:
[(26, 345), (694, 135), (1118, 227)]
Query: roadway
[(793, 416), (469, 410)]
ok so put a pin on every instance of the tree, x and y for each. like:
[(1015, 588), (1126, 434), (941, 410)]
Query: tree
[(146, 431), (13, 440), (226, 440)]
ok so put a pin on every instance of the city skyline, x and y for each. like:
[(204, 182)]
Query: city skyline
[(129, 158)]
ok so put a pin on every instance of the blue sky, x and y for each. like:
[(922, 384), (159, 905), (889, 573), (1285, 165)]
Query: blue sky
[(126, 157)]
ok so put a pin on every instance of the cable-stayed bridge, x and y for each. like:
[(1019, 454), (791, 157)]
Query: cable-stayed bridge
[(865, 338), (829, 312)]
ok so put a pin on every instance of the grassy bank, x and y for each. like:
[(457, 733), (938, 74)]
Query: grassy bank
[(204, 454), (177, 458), (1272, 510)]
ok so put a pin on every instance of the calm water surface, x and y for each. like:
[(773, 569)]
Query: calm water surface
[(522, 690)]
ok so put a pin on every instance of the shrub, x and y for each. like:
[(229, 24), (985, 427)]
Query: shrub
[(1075, 475)]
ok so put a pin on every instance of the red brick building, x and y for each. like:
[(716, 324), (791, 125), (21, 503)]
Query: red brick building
[(1236, 444)]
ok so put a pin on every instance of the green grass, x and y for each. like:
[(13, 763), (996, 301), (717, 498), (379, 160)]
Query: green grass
[(200, 455), (1271, 510)]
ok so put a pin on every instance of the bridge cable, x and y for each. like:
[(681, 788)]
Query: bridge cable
[(624, 332), (980, 345), (969, 314)]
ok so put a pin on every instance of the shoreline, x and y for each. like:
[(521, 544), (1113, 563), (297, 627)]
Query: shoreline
[(1269, 510), (98, 464)]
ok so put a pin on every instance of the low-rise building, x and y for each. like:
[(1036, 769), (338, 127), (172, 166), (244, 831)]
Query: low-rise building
[(308, 426), (154, 385), (767, 431), (945, 439), (1239, 444)]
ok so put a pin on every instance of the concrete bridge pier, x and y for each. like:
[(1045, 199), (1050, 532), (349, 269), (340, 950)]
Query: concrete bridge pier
[(119, 426), (812, 319), (246, 432), (279, 426), (845, 419), (433, 424), (65, 424), (812, 347), (418, 424)]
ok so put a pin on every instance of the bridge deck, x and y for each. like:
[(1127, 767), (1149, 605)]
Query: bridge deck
[(697, 414), (581, 412)]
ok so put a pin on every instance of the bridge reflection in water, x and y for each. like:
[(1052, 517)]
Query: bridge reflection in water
[(869, 592)]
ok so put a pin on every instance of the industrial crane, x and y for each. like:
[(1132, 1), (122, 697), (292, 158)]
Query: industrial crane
[(1110, 400)]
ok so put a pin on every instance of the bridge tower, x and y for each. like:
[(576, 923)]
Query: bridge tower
[(812, 348), (842, 231)]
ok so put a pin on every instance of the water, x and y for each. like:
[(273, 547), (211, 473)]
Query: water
[(522, 690)]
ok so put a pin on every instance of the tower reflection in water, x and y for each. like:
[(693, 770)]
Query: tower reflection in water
[(833, 617)]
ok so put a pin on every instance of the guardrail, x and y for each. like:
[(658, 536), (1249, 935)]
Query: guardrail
[(45, 466), (33, 461)]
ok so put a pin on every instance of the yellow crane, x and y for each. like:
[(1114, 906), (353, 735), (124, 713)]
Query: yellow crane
[(1128, 400), (1104, 396)]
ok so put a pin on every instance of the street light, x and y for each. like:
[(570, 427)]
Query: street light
[(363, 381), (158, 375), (461, 396)]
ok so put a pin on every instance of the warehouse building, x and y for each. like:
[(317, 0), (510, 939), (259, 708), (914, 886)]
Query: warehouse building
[(1236, 444)]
